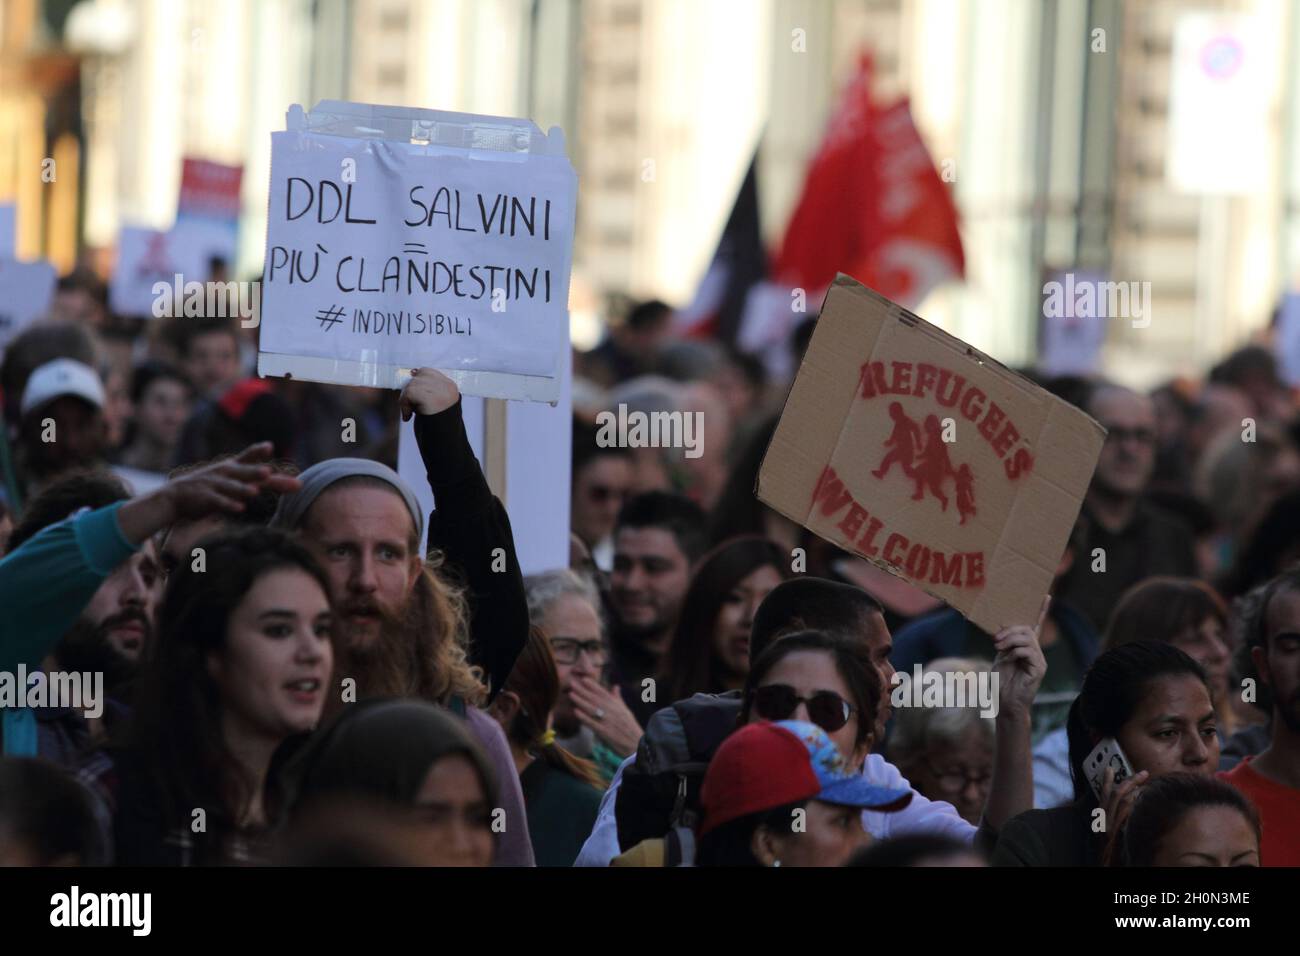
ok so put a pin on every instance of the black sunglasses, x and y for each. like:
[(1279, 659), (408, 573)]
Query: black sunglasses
[(827, 709)]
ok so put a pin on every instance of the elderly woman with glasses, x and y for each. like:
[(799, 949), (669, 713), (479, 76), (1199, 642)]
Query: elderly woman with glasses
[(946, 752), (590, 719)]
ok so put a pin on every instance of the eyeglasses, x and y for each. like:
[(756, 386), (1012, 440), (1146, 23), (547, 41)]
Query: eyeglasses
[(565, 650), (827, 709), (955, 781)]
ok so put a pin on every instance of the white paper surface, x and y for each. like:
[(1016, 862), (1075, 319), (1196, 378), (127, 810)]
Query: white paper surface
[(429, 256)]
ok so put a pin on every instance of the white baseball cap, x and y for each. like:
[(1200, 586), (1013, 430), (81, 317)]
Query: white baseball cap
[(62, 377)]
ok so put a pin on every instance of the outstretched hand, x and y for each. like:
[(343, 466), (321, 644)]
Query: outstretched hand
[(221, 487), (427, 393)]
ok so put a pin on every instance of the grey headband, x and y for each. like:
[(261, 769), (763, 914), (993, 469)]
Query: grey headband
[(289, 513)]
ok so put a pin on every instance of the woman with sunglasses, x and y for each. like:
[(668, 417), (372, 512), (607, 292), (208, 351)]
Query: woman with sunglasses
[(782, 794), (804, 602), (821, 679)]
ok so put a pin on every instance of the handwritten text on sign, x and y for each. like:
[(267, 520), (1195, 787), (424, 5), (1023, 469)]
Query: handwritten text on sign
[(405, 255)]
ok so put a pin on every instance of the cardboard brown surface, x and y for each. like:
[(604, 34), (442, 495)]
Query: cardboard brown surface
[(873, 375)]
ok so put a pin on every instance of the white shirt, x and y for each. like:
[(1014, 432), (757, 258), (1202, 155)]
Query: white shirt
[(921, 815)]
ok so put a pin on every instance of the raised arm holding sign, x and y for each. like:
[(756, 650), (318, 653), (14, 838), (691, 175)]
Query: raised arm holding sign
[(907, 447)]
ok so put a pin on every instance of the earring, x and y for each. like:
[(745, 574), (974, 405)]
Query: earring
[(776, 862)]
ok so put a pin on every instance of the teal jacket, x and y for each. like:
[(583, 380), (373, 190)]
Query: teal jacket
[(44, 586)]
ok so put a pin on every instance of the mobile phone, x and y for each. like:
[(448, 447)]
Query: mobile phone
[(1105, 754)]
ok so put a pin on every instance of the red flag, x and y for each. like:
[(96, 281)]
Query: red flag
[(872, 206)]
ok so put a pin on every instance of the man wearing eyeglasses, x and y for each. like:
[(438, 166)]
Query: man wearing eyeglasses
[(1134, 539)]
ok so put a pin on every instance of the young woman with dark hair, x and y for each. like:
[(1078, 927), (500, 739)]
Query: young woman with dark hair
[(1153, 701), (241, 663), (561, 791), (709, 653), (1185, 819), (820, 678)]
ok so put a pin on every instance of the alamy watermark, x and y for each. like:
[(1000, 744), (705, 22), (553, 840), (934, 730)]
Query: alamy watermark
[(209, 300), (133, 911), (932, 688), (1087, 298), (651, 430), (77, 690)]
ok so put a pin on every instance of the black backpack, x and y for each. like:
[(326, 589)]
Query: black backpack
[(659, 796)]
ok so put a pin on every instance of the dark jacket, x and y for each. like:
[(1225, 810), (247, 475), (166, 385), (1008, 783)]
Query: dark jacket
[(138, 832), (63, 734), (1061, 836), (561, 812), (467, 526), (1153, 543)]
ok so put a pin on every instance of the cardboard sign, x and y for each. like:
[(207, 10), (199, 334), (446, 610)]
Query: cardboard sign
[(908, 447), (26, 290), (383, 255)]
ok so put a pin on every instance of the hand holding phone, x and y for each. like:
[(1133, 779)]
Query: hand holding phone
[(1106, 754)]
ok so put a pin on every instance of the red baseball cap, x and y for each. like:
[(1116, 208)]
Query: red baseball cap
[(759, 767), (764, 766)]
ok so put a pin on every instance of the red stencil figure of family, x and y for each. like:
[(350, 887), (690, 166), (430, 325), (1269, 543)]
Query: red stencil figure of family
[(923, 456)]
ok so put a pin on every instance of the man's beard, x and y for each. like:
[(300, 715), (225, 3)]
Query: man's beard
[(386, 665), (85, 648)]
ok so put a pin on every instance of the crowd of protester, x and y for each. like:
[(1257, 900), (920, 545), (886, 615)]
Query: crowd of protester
[(302, 667)]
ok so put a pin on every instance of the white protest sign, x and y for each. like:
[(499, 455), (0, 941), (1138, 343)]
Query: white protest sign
[(26, 290), (384, 254), (147, 257), (8, 230)]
